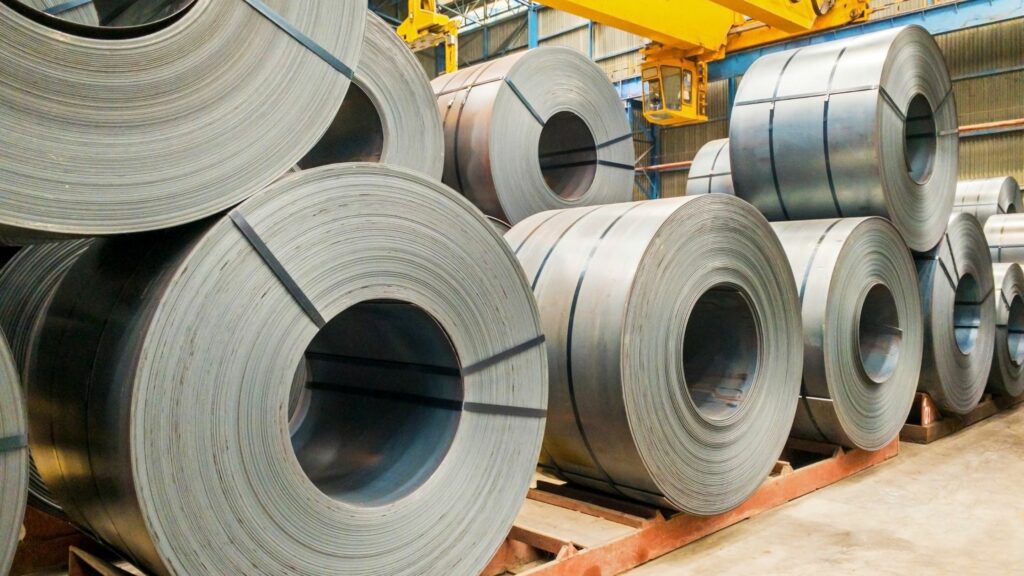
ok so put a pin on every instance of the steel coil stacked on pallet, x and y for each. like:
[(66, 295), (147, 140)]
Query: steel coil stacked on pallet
[(535, 131), (711, 172), (27, 283), (987, 198), (957, 293), (386, 116), (862, 326), (1007, 375), (166, 126), (424, 389), (13, 457), (674, 343), (863, 126)]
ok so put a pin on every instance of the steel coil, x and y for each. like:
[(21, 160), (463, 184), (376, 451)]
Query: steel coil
[(710, 172), (538, 130), (1005, 236), (987, 198), (862, 126), (13, 458), (386, 116), (27, 283), (959, 316), (411, 441), (78, 12), (690, 413), (863, 332), (1007, 375), (113, 135)]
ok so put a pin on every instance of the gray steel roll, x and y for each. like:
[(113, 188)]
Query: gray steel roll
[(27, 282), (538, 130), (863, 126), (13, 458), (164, 124), (710, 172), (78, 12), (1007, 377), (674, 337), (987, 198), (959, 316), (863, 332), (413, 442), (1005, 236), (386, 116)]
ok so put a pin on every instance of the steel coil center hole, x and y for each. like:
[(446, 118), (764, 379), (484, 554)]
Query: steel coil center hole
[(378, 405), (355, 135), (879, 336), (104, 19), (721, 347), (920, 139), (967, 313), (1015, 331), (568, 155)]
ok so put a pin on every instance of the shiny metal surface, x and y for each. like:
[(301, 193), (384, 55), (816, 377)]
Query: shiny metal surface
[(168, 128), (1007, 375), (711, 172), (862, 329), (84, 14), (27, 283), (537, 130), (163, 413), (673, 332), (1005, 236), (957, 297), (863, 126), (988, 197), (387, 115), (13, 461)]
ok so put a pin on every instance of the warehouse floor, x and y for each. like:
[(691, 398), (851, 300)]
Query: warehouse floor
[(953, 507)]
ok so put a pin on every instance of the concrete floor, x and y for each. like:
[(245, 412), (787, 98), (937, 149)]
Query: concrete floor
[(953, 507)]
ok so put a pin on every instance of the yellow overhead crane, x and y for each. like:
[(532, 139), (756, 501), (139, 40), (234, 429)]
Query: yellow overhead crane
[(685, 36)]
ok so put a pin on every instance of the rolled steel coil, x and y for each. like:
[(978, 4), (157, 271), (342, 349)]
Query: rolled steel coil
[(386, 113), (166, 124), (538, 130), (863, 332), (987, 198), (1005, 236), (674, 336), (70, 10), (1007, 376), (27, 283), (863, 126), (959, 316), (710, 172), (13, 457), (168, 361)]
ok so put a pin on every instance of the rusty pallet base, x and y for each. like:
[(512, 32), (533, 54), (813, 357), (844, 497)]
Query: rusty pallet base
[(926, 423), (567, 531)]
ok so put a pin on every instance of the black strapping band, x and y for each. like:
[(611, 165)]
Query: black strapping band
[(502, 356), (614, 141), (892, 103), (620, 165), (431, 401), (276, 267), (467, 87), (525, 102), (66, 7), (12, 443), (301, 38)]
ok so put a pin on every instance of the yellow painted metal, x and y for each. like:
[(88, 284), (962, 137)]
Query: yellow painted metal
[(783, 15), (754, 34), (425, 28), (675, 87), (685, 24)]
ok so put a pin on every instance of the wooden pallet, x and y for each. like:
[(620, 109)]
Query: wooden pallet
[(926, 423), (46, 542), (567, 531)]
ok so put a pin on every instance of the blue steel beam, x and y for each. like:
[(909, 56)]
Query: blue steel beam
[(937, 20)]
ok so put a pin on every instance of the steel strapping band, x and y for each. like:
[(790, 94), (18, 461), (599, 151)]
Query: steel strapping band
[(301, 38), (277, 268), (458, 125), (611, 164), (544, 262), (504, 355), (469, 86), (12, 443), (892, 103), (431, 401), (614, 141), (771, 137), (825, 94), (66, 7), (824, 127), (526, 103)]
